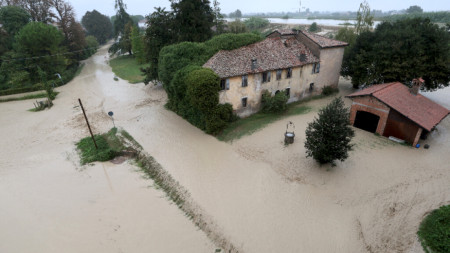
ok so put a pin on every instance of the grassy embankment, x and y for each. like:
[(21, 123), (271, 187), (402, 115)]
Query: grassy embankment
[(257, 121), (109, 146), (127, 68), (434, 231), (25, 97)]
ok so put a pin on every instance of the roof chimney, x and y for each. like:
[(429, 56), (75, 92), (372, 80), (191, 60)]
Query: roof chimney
[(416, 84), (254, 64)]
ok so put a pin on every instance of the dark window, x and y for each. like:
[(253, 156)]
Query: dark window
[(244, 81), (279, 74), (289, 73), (316, 68), (288, 92), (311, 86), (244, 102), (264, 77), (225, 84)]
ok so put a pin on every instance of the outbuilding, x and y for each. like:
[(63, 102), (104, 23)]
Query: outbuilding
[(393, 109)]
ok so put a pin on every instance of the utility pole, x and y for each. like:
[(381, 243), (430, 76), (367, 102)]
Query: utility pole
[(89, 127)]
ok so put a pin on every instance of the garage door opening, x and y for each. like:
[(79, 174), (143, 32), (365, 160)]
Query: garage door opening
[(366, 121)]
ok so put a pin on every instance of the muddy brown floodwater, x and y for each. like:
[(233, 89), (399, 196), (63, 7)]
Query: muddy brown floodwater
[(263, 196)]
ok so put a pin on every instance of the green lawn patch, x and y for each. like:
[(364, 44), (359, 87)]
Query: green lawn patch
[(109, 146), (32, 96), (253, 123), (126, 67), (434, 231)]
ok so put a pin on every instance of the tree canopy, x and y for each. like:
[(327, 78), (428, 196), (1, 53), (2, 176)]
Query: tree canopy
[(414, 9), (194, 19), (39, 39), (364, 20), (400, 51), (328, 137), (97, 25)]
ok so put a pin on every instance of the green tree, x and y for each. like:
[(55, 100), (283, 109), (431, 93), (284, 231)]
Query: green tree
[(401, 51), (13, 18), (122, 18), (219, 22), (159, 33), (35, 41), (236, 14), (328, 137), (137, 45), (414, 9), (237, 26), (364, 20), (97, 25), (91, 45), (313, 27), (256, 23), (193, 19)]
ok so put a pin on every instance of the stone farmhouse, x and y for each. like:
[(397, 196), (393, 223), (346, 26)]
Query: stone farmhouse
[(392, 109), (298, 62)]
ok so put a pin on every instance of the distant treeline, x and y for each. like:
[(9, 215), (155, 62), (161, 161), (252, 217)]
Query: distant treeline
[(435, 17)]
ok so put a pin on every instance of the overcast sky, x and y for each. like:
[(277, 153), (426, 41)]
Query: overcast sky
[(145, 7)]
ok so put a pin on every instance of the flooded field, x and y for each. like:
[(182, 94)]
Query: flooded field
[(264, 197)]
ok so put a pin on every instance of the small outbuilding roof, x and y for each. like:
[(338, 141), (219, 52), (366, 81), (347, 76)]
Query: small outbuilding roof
[(417, 108), (269, 54)]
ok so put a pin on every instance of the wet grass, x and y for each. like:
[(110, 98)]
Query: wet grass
[(26, 97), (109, 146), (126, 67), (257, 121), (434, 231)]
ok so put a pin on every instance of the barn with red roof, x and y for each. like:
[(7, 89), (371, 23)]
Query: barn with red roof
[(393, 109)]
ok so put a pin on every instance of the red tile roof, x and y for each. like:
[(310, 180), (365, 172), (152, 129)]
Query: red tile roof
[(270, 54), (324, 42), (320, 40), (417, 108)]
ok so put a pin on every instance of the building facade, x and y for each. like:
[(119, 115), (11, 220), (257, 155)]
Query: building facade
[(392, 109), (297, 62)]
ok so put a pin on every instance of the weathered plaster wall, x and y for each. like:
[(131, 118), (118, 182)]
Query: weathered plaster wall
[(299, 85), (330, 66)]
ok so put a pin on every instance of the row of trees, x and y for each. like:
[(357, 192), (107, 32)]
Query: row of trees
[(396, 51), (31, 45)]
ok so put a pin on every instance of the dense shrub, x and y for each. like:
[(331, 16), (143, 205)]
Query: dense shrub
[(254, 23), (175, 57), (434, 231), (203, 90), (274, 104), (176, 90), (328, 90)]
